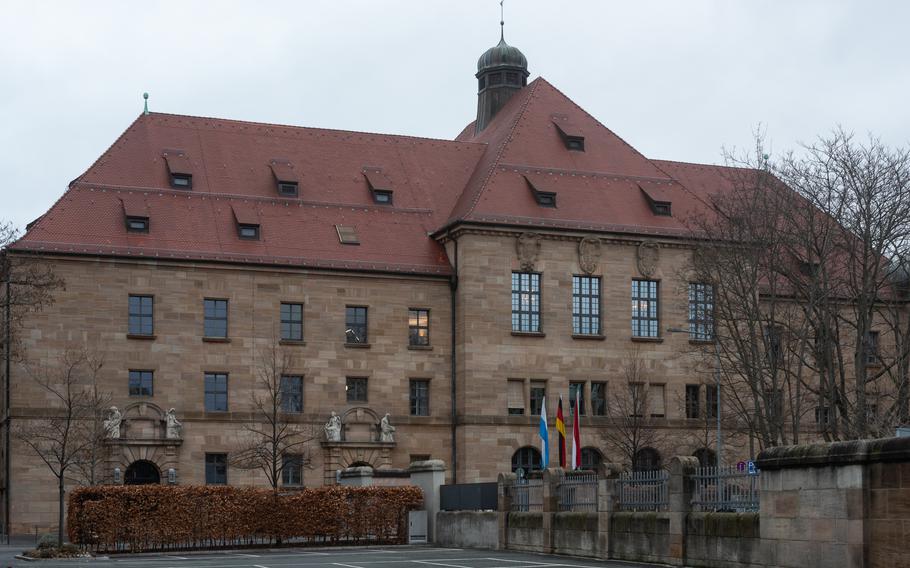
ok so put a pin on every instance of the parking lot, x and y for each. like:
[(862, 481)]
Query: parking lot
[(372, 557)]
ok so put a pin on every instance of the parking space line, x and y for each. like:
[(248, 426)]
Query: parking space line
[(520, 561), (430, 562), (346, 565)]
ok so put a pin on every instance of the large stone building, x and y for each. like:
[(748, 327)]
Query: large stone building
[(449, 283)]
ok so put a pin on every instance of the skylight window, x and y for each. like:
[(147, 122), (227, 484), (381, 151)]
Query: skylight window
[(572, 136), (285, 177), (347, 234), (179, 168), (380, 186), (137, 224), (250, 232), (543, 198)]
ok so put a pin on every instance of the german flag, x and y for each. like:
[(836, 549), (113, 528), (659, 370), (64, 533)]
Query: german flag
[(561, 428)]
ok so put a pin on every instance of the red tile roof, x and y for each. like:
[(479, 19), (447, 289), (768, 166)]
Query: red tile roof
[(437, 184)]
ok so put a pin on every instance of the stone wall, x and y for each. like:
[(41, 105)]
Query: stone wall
[(719, 540), (888, 520), (467, 529), (576, 534)]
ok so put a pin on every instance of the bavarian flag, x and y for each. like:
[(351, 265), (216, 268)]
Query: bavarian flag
[(561, 428)]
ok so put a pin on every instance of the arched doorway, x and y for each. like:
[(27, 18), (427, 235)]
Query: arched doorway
[(142, 472), (647, 459)]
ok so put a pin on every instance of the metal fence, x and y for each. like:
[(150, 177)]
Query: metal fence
[(527, 495), (643, 490), (729, 490), (577, 491), (469, 497)]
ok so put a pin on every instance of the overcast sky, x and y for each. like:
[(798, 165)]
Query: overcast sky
[(677, 79)]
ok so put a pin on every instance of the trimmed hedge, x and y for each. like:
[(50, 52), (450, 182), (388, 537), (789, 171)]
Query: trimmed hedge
[(159, 517)]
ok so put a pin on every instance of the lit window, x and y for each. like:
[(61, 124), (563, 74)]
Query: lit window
[(419, 327), (644, 308), (526, 302)]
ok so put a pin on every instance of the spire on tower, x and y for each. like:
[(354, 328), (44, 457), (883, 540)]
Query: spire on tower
[(146, 97), (502, 21)]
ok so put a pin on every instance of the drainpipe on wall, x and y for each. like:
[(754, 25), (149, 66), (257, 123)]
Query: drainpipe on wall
[(7, 354), (453, 286)]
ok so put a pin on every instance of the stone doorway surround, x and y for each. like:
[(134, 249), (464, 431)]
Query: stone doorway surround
[(359, 444), (143, 438)]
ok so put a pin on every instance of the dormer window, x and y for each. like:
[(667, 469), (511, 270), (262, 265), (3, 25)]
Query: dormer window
[(380, 186), (285, 177), (179, 169), (543, 198), (659, 199), (250, 232), (571, 135), (137, 224)]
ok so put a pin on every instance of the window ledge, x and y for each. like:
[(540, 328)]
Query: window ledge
[(216, 339), (292, 342), (528, 334), (141, 336), (420, 347), (647, 339), (590, 337), (701, 341), (357, 345)]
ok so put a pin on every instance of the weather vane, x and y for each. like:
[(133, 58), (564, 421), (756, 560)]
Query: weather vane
[(146, 97)]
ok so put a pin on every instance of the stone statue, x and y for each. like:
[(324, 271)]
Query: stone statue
[(112, 424), (386, 430), (333, 428), (173, 427)]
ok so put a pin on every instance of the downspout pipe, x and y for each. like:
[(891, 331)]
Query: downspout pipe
[(453, 287), (7, 424)]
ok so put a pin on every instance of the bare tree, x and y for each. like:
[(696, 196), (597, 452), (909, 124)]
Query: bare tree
[(631, 426), (90, 465), (66, 435), (274, 431)]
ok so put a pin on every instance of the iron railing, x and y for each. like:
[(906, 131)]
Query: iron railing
[(643, 490), (577, 491), (727, 489), (527, 495)]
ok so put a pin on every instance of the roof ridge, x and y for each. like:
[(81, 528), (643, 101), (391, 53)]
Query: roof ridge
[(298, 127), (604, 174), (535, 84), (700, 164)]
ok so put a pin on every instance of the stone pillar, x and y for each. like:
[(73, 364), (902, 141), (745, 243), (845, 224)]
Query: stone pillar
[(551, 478), (504, 506), (429, 475), (680, 488), (607, 503), (356, 476)]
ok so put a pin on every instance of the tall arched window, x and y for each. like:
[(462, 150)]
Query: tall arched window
[(527, 458), (591, 458), (646, 459), (706, 457)]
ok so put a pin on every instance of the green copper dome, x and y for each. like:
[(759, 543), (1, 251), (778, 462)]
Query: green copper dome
[(502, 55)]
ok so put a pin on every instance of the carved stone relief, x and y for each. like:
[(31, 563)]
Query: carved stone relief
[(589, 250), (528, 248), (648, 257)]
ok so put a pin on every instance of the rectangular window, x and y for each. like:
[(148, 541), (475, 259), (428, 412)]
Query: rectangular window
[(292, 469), (216, 469), (216, 392), (701, 312), (526, 302), (248, 231), (355, 330), (420, 397), (577, 397), (287, 188), (773, 345), (872, 348), (182, 181), (637, 400), (586, 305), (711, 401), (419, 327), (141, 383), (216, 318), (823, 416), (137, 224), (141, 320), (356, 388), (693, 408), (516, 391), (599, 399), (538, 392), (291, 393), (291, 322), (657, 400), (644, 308)]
